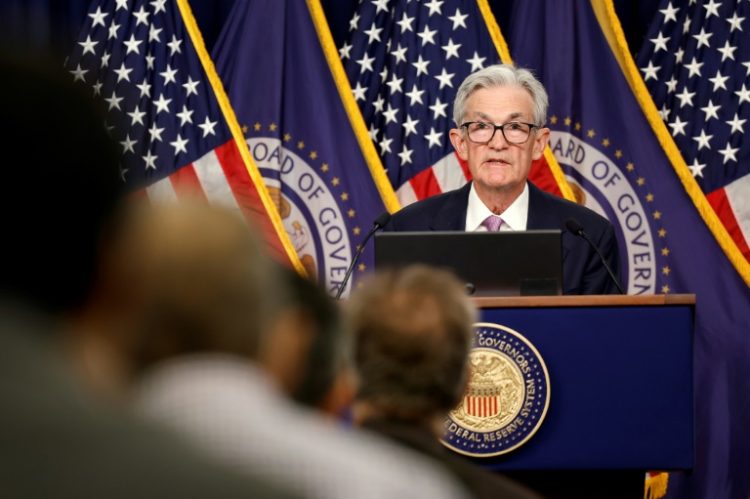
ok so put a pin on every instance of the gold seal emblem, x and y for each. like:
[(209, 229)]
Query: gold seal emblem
[(506, 398)]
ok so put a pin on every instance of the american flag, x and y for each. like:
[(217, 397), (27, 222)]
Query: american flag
[(696, 64), (145, 60), (405, 61)]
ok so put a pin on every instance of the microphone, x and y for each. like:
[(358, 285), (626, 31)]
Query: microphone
[(379, 223), (577, 229)]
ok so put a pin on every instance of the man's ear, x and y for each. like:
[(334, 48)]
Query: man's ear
[(540, 142), (459, 143)]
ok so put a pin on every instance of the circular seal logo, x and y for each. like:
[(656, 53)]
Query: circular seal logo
[(507, 395)]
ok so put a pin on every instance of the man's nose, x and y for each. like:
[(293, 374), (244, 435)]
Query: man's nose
[(498, 140)]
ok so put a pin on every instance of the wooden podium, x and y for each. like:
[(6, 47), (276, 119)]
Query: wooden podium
[(621, 391)]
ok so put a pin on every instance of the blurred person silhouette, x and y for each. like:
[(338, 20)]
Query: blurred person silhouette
[(59, 204), (221, 362), (412, 329)]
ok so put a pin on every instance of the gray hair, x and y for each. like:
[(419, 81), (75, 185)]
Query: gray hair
[(501, 75)]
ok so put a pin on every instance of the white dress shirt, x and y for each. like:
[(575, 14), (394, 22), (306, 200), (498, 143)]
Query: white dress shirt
[(514, 217), (231, 409)]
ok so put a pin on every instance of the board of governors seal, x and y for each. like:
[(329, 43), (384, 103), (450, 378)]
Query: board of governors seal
[(507, 395)]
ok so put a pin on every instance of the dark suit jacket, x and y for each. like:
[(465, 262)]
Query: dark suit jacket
[(481, 483), (583, 272)]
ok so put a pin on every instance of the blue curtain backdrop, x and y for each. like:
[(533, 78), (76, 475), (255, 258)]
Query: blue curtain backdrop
[(53, 25)]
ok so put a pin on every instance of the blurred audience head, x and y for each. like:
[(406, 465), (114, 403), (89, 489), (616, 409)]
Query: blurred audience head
[(412, 330), (304, 352), (198, 281), (61, 186)]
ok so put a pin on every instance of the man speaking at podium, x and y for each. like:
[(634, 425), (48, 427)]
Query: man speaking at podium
[(500, 113)]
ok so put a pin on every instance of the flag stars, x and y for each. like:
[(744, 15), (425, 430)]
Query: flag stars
[(136, 116), (313, 155), (123, 73), (420, 65), (735, 22), (345, 51), (657, 215), (451, 49), (141, 16), (727, 51), (650, 197), (112, 32), (356, 231), (175, 46), (591, 133), (78, 73), (458, 19), (335, 181), (665, 251), (88, 45), (169, 75), (703, 38), (185, 116), (288, 138), (385, 145), (153, 34), (476, 62), (736, 124), (98, 17), (670, 13), (179, 144), (719, 81), (640, 181), (618, 154), (660, 43), (553, 120), (114, 102), (630, 167), (150, 160), (433, 138), (729, 153), (662, 233), (345, 196), (415, 95), (127, 144), (380, 5), (427, 35), (273, 126), (665, 289), (711, 110), (351, 213), (158, 6), (743, 94), (434, 6), (567, 121), (405, 155), (399, 53), (694, 68), (390, 114), (445, 79), (605, 142), (155, 132), (406, 23), (395, 84), (132, 44), (257, 127), (671, 85), (650, 71), (191, 87), (324, 167), (365, 63), (361, 267), (712, 8), (162, 104), (685, 97), (410, 126), (145, 88), (354, 22), (703, 140), (373, 33), (696, 169)]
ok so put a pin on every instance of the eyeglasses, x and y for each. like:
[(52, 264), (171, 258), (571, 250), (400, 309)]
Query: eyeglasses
[(514, 132)]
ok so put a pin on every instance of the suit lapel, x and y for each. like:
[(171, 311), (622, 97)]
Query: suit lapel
[(543, 215), (452, 214)]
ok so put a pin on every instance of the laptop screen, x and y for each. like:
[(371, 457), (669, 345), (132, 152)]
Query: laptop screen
[(513, 263)]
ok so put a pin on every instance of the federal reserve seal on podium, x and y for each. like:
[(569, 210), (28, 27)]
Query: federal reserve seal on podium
[(506, 398)]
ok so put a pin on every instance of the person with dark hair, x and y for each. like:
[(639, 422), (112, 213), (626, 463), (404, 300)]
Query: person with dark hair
[(412, 329), (59, 205)]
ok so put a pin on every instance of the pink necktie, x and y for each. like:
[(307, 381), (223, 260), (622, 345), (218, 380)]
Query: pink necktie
[(492, 223)]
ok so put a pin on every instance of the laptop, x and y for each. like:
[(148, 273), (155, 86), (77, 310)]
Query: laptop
[(513, 263)]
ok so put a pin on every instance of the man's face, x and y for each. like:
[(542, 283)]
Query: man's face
[(499, 165)]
